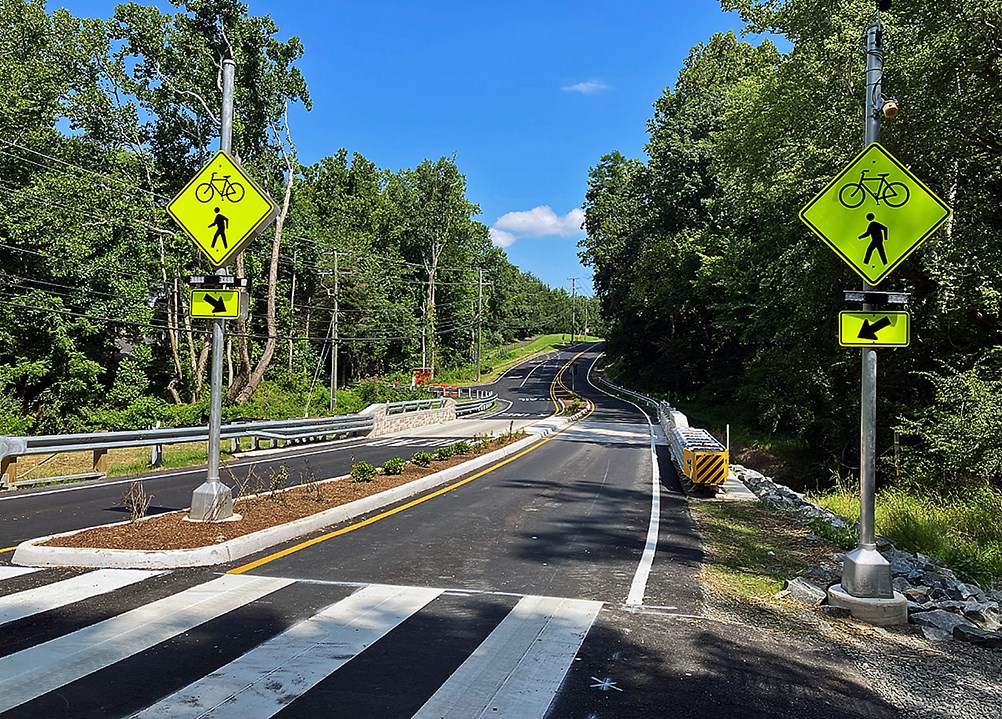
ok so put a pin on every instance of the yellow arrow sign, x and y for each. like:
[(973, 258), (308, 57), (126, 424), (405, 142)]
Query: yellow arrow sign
[(875, 213), (867, 329), (222, 208), (216, 304)]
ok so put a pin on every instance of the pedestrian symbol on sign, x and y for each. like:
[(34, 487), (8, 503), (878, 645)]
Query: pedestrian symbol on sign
[(221, 222), (877, 234)]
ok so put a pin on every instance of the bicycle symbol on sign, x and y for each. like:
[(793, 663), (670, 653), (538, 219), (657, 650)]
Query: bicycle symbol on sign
[(232, 191), (892, 194)]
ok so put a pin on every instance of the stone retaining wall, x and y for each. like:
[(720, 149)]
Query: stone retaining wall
[(387, 424)]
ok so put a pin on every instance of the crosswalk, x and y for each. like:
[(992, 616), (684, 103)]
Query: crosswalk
[(156, 645), (411, 442)]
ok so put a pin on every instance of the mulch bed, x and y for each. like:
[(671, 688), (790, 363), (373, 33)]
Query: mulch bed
[(270, 509)]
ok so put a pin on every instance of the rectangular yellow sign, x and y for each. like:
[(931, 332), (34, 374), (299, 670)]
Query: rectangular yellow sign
[(867, 329), (215, 304)]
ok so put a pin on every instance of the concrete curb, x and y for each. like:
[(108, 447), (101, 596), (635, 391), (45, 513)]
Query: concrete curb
[(31, 554)]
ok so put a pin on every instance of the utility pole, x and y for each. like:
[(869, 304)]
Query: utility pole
[(213, 500), (336, 337), (573, 307), (865, 572), (480, 318)]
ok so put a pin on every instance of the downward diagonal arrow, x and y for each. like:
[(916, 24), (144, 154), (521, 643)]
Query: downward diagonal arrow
[(869, 332), (219, 304)]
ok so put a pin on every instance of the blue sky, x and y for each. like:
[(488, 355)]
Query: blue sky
[(528, 95)]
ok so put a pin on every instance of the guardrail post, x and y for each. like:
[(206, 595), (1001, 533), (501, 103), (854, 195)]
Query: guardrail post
[(255, 443), (101, 461), (8, 469), (156, 456)]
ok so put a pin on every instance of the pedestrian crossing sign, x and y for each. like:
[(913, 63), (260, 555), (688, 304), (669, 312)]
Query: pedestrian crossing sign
[(875, 213), (221, 209)]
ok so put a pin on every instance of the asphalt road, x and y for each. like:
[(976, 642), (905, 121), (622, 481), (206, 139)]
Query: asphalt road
[(39, 512), (543, 587)]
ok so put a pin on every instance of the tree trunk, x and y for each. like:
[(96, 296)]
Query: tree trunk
[(269, 348), (239, 380)]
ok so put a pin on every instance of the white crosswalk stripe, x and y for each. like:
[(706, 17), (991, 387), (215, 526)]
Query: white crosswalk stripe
[(515, 671), (75, 589), (518, 668), (8, 572), (32, 672), (259, 684), (411, 442)]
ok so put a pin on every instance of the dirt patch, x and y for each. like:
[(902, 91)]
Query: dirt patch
[(270, 509)]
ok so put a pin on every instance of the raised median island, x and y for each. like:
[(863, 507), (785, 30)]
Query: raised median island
[(269, 512)]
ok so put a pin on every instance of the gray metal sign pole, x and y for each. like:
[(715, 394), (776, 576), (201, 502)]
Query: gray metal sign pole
[(866, 573), (212, 500)]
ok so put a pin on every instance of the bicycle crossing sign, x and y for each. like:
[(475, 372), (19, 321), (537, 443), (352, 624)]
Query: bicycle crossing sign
[(875, 213), (221, 209)]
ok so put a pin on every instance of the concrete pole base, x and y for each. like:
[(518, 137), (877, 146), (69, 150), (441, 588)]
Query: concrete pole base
[(866, 573), (212, 501), (878, 612)]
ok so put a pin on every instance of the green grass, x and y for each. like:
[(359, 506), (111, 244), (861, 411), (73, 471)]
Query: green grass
[(964, 530), (751, 549)]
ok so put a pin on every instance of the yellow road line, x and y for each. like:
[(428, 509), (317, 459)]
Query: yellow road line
[(396, 510), (11, 549), (557, 378)]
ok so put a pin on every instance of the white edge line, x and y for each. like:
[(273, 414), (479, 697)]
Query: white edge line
[(643, 573)]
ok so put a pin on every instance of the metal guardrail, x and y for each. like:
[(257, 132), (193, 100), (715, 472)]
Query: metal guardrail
[(414, 405), (473, 406), (288, 430), (456, 392), (650, 401)]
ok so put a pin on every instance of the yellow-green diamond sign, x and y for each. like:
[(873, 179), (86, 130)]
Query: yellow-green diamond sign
[(868, 329), (222, 209), (875, 213)]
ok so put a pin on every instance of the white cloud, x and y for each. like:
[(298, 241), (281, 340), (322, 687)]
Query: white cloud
[(500, 238), (587, 87), (538, 222)]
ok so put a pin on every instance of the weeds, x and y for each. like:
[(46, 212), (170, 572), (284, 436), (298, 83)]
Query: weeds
[(277, 482), (312, 487), (136, 501)]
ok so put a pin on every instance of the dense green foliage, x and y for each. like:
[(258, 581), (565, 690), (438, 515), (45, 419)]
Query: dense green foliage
[(712, 288), (103, 121)]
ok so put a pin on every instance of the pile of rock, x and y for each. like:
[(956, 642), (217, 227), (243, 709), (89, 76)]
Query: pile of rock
[(940, 604)]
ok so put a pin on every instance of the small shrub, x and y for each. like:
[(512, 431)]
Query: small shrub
[(460, 448), (394, 465), (362, 472), (444, 453), (422, 458)]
